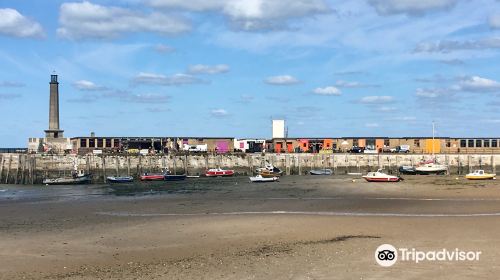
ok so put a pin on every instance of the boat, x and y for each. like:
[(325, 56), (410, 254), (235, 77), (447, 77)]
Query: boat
[(218, 172), (427, 168), (260, 179), (407, 169), (122, 179), (152, 177), (77, 178), (269, 171), (480, 175), (379, 176), (171, 177), (321, 172)]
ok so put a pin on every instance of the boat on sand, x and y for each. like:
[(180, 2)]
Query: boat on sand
[(380, 176), (260, 179), (218, 172), (480, 175)]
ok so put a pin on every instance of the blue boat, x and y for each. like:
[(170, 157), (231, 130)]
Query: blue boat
[(171, 177), (124, 179)]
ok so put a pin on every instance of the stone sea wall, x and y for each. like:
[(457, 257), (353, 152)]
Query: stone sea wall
[(32, 169)]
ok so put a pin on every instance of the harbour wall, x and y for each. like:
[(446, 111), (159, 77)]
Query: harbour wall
[(33, 168)]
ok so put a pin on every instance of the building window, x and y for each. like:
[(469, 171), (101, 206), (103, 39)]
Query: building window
[(463, 143), (448, 143), (494, 143), (487, 143), (387, 142), (83, 143), (471, 143), (108, 143), (417, 143), (479, 143), (100, 143), (91, 143), (355, 142)]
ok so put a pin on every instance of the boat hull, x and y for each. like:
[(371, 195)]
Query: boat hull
[(480, 177), (223, 173), (407, 170), (126, 179), (321, 172), (382, 179), (155, 177), (263, 179), (175, 177), (68, 181)]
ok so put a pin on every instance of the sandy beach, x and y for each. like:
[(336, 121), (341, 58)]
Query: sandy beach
[(302, 227)]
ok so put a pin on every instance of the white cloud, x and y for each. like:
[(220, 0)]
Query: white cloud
[(87, 85), (162, 48), (11, 84), (446, 46), (386, 109), (174, 80), (87, 20), (346, 84), (494, 21), (282, 80), (12, 23), (410, 7), (330, 90), (219, 113), (148, 98), (208, 69), (477, 84), (376, 99), (7, 96), (371, 124), (251, 14)]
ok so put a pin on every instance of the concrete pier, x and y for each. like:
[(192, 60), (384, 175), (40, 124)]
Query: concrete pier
[(33, 168)]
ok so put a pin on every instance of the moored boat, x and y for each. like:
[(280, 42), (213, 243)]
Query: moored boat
[(80, 178), (218, 172), (379, 176), (260, 179), (120, 179), (321, 172), (171, 177), (431, 168), (269, 171), (152, 177), (480, 175), (407, 169)]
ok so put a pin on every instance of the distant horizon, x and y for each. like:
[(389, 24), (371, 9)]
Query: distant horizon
[(226, 68)]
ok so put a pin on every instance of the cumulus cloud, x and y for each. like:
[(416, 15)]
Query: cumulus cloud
[(208, 69), (429, 93), (410, 7), (80, 20), (375, 99), (219, 113), (87, 86), (11, 84), (174, 80), (477, 84), (330, 90), (251, 15), (12, 23), (282, 80)]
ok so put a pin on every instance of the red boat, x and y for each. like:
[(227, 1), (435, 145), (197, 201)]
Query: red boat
[(152, 177), (217, 172), (379, 176)]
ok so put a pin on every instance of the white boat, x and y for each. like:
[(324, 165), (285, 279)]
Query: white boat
[(480, 175), (325, 171), (260, 179), (380, 176), (431, 168)]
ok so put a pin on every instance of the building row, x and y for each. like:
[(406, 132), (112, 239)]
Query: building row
[(154, 145)]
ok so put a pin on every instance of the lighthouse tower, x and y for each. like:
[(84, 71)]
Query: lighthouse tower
[(54, 131)]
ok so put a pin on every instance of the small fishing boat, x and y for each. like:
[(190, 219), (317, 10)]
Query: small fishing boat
[(379, 176), (218, 172), (321, 172), (122, 179), (427, 168), (171, 177), (260, 179), (153, 177), (77, 178), (407, 169), (269, 171), (480, 175)]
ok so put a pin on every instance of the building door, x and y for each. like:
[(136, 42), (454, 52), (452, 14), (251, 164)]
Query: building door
[(277, 148), (289, 147)]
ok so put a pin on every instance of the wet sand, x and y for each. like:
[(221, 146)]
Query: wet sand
[(300, 228)]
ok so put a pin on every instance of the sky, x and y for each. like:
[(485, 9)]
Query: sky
[(227, 68)]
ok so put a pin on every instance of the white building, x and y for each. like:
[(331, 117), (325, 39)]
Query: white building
[(278, 129)]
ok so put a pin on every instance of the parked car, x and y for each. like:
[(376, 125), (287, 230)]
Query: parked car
[(401, 149), (356, 150), (195, 148)]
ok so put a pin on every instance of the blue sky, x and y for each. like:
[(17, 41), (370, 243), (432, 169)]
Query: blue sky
[(226, 68)]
